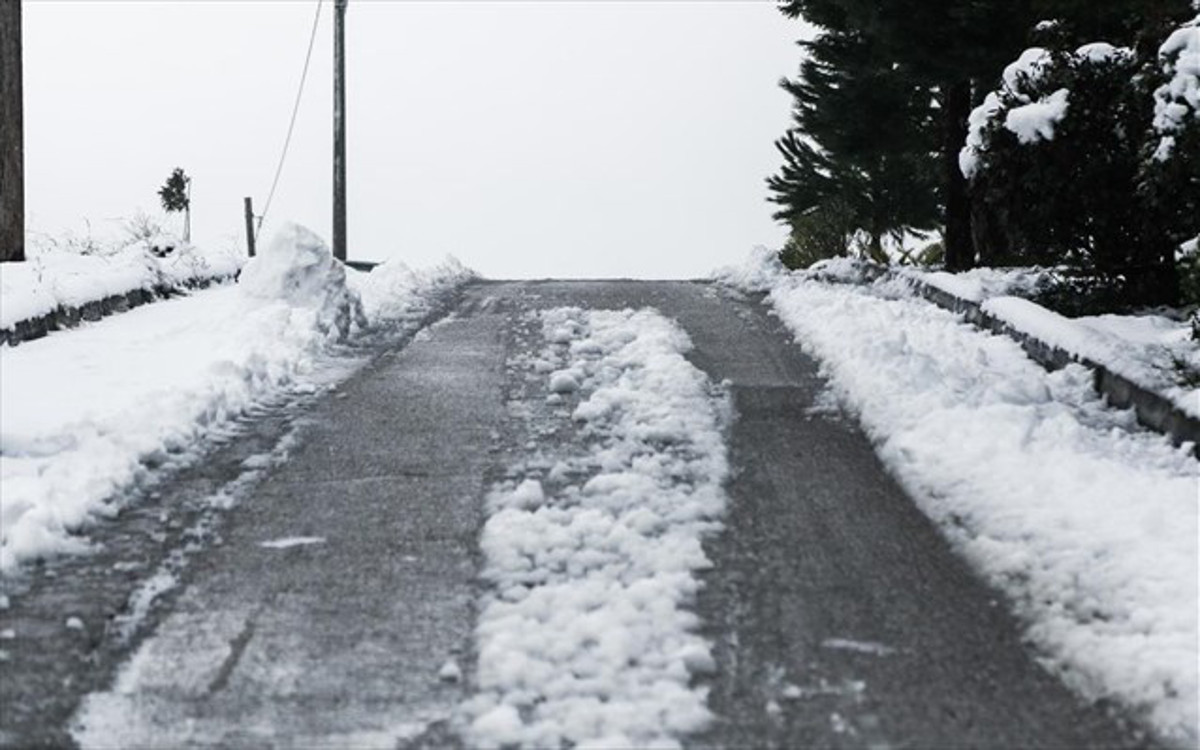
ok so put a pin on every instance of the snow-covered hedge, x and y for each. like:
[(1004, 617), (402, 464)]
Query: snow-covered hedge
[(55, 280), (1087, 157)]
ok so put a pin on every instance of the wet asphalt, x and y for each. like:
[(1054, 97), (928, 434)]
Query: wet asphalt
[(840, 616)]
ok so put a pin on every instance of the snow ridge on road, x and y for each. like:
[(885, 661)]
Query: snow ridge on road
[(586, 638), (1086, 522)]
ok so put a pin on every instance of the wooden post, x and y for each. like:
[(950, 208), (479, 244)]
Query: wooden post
[(12, 135), (187, 213), (249, 205), (339, 130)]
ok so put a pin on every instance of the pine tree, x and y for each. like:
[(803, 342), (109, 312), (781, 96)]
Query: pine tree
[(176, 196), (943, 46), (859, 154)]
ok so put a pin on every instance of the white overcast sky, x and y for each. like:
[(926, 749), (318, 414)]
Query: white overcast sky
[(529, 139)]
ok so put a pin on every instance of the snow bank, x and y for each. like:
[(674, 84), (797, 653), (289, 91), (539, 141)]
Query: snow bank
[(1086, 523), (757, 275), (586, 639), (54, 279), (86, 415), (393, 291)]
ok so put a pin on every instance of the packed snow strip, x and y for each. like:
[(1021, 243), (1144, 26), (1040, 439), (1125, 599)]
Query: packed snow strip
[(55, 279), (83, 414), (1086, 523), (586, 638)]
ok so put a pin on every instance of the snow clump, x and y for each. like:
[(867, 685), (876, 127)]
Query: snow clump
[(1035, 121), (587, 639), (1179, 97)]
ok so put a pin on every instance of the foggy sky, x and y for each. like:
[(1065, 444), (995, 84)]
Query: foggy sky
[(571, 139)]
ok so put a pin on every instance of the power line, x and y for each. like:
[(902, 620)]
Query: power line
[(291, 125)]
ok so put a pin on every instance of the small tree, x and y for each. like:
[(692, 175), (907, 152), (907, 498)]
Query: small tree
[(176, 195)]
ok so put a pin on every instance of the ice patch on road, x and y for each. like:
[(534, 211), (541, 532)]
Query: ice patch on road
[(586, 638), (861, 647), (292, 541)]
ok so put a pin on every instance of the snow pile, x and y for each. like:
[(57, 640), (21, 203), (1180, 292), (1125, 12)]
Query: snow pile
[(87, 416), (53, 279), (1179, 97), (1088, 524), (299, 269), (1035, 121), (759, 275), (585, 639), (393, 291)]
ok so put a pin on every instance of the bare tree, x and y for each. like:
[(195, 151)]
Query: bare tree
[(12, 150)]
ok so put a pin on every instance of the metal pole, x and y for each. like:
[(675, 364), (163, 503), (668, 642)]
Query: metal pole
[(249, 225), (339, 130)]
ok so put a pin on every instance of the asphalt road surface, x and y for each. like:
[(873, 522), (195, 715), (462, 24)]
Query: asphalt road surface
[(333, 605)]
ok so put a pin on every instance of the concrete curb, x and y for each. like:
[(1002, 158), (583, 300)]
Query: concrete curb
[(65, 316), (1153, 410)]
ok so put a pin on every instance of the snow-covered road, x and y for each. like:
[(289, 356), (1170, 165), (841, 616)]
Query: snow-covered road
[(541, 523)]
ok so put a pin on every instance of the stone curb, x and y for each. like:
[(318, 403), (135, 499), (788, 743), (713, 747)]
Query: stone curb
[(1153, 410), (65, 316)]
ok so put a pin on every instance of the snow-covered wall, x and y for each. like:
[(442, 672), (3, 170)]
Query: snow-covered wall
[(56, 287)]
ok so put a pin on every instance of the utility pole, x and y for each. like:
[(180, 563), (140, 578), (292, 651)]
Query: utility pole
[(248, 206), (12, 135), (339, 130)]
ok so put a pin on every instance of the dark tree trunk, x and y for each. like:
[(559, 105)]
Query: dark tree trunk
[(12, 167), (956, 106)]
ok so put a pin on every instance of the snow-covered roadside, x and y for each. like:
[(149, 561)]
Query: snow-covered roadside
[(585, 638), (1086, 523), (1154, 351), (82, 415), (56, 279)]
